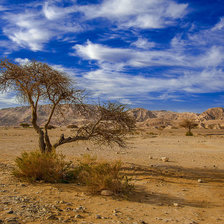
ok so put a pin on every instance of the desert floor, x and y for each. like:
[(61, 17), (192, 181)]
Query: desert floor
[(165, 192)]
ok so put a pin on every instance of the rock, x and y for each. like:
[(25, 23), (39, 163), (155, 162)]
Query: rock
[(78, 216), (52, 217), (11, 220), (106, 193), (176, 204), (164, 159), (10, 212), (80, 209), (150, 157), (98, 217), (116, 211), (200, 181)]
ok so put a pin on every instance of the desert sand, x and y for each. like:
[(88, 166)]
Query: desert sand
[(165, 192)]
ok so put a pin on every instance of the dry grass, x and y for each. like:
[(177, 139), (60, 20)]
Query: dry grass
[(52, 167), (36, 166), (98, 176)]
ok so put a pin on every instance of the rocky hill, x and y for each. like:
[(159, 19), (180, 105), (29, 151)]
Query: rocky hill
[(211, 118)]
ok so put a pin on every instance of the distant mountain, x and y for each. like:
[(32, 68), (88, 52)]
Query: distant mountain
[(211, 118)]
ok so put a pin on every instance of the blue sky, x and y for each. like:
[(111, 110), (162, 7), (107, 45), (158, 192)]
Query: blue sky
[(156, 54)]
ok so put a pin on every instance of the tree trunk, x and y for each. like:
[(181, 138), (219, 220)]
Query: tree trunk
[(49, 147), (42, 145)]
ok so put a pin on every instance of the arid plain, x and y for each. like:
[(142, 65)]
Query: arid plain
[(188, 189)]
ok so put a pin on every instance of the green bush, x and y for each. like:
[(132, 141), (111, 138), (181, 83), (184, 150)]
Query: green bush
[(98, 176), (48, 167)]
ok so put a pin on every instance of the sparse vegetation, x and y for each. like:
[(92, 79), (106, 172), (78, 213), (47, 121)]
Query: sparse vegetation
[(35, 166), (25, 125), (51, 127), (72, 126), (100, 176), (52, 167), (189, 124)]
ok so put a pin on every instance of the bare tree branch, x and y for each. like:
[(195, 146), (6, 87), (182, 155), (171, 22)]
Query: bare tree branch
[(36, 81)]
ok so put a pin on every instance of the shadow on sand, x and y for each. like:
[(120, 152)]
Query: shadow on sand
[(168, 171)]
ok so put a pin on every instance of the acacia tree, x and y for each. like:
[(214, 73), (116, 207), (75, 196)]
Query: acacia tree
[(37, 82), (189, 124)]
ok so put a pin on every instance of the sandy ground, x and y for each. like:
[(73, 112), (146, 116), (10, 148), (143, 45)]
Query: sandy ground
[(165, 192)]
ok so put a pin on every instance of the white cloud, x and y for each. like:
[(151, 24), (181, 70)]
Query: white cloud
[(33, 28), (118, 58), (27, 31), (219, 25), (53, 12), (127, 56), (192, 70), (213, 57), (141, 13), (143, 43), (7, 100), (120, 85), (30, 29), (3, 8), (22, 61)]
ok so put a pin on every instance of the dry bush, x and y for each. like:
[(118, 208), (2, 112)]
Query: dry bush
[(51, 127), (189, 124), (25, 125), (48, 167), (98, 176), (72, 126), (52, 167)]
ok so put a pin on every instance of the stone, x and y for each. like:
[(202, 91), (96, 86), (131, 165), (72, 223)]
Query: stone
[(176, 204), (52, 217), (10, 212), (80, 209), (98, 217), (78, 216), (200, 181), (164, 159), (106, 193), (11, 220), (150, 157), (116, 211)]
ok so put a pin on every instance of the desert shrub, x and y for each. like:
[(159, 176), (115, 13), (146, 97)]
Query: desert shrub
[(189, 133), (72, 126), (151, 133), (49, 167), (98, 176), (25, 125)]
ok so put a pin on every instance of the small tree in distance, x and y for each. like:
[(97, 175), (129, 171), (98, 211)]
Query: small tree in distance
[(189, 124), (37, 82)]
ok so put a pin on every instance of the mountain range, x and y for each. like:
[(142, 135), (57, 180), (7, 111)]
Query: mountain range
[(212, 118)]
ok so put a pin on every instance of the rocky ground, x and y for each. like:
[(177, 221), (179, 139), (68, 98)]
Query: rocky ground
[(186, 186)]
